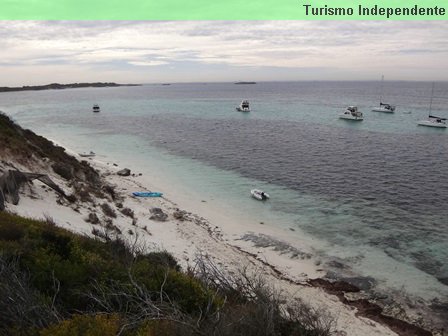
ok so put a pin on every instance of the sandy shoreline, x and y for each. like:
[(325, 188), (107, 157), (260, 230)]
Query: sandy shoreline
[(228, 243)]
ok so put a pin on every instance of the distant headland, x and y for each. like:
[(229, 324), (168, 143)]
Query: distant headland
[(57, 86), (245, 83)]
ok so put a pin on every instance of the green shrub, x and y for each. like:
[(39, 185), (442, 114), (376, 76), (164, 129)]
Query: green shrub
[(163, 328), (108, 211), (65, 274), (161, 258), (9, 231), (85, 325)]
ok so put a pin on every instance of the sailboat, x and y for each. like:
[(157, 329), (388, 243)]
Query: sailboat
[(387, 108), (433, 121)]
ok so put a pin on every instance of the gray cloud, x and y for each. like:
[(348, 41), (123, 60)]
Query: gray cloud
[(363, 49)]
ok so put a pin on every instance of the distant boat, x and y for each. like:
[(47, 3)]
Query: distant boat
[(259, 194), (352, 113), (147, 194), (386, 108), (166, 84), (244, 106), (96, 108), (245, 83), (91, 154), (433, 121)]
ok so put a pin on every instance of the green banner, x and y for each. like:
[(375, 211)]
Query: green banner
[(223, 10)]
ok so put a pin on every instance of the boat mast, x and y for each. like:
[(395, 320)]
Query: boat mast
[(381, 89), (432, 95)]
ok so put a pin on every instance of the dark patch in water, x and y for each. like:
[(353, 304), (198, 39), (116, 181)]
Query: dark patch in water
[(392, 185), (363, 283), (336, 264), (443, 280)]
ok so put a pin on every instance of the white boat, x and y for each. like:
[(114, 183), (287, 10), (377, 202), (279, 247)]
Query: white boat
[(91, 154), (352, 113), (244, 106), (433, 121), (386, 108), (259, 194), (96, 108)]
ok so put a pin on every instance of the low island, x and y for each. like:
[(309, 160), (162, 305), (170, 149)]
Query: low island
[(57, 86)]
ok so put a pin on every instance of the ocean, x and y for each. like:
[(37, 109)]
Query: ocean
[(372, 195)]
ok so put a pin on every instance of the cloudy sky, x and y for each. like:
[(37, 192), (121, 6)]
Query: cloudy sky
[(200, 51)]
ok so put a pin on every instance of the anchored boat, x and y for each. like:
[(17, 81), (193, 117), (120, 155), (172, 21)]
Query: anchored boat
[(259, 194), (386, 108), (244, 106), (352, 113), (433, 121)]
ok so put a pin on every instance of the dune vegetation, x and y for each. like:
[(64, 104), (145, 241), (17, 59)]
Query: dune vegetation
[(55, 282)]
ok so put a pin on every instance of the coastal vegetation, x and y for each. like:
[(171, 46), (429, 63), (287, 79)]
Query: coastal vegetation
[(57, 86), (54, 282)]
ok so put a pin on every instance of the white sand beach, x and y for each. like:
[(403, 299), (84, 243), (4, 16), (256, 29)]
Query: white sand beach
[(193, 228)]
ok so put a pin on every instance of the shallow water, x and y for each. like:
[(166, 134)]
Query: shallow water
[(374, 193)]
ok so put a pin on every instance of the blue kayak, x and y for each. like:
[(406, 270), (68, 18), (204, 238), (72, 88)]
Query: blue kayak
[(147, 194)]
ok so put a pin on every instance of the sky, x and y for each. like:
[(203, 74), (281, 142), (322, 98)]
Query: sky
[(41, 52)]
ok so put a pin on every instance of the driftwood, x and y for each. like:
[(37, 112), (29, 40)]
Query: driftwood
[(12, 180)]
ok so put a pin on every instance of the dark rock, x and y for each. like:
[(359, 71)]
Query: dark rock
[(127, 212), (71, 198), (179, 214), (158, 215), (124, 172), (93, 218)]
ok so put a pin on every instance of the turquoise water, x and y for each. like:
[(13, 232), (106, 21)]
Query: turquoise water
[(371, 196)]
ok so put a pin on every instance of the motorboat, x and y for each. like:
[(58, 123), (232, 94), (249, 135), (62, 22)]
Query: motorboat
[(386, 108), (244, 106), (259, 194), (432, 120), (90, 154), (96, 108), (352, 113)]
